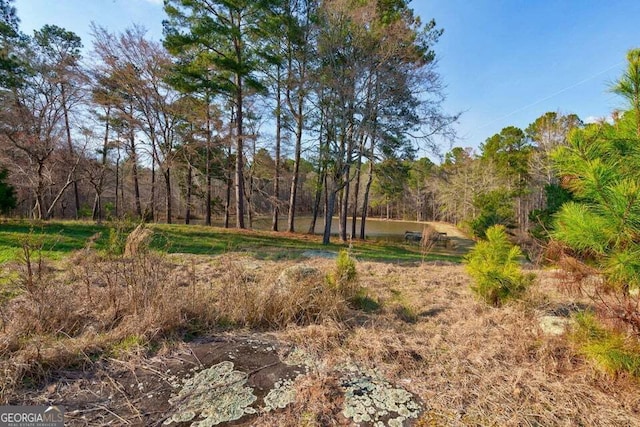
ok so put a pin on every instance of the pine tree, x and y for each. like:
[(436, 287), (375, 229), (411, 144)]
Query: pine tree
[(601, 226)]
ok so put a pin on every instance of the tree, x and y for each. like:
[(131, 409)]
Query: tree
[(12, 67), (119, 76), (510, 151), (493, 265), (61, 49), (298, 52), (601, 226), (628, 86), (494, 208), (461, 179), (226, 31), (31, 121), (420, 187), (391, 178), (377, 89)]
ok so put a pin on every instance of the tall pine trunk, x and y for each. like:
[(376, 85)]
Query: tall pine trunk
[(356, 189), (276, 174), (328, 215), (296, 170), (207, 166), (67, 126), (187, 213), (97, 204), (167, 184), (240, 135), (365, 202)]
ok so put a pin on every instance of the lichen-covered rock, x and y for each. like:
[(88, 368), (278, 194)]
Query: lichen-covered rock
[(369, 398), (299, 357), (280, 396), (215, 395), (553, 325)]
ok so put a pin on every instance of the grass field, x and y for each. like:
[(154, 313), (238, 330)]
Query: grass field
[(60, 238)]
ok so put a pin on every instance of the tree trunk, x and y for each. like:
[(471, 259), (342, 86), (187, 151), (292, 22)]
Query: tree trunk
[(136, 184), (357, 190), (296, 176), (96, 213), (344, 210), (346, 177), (318, 198), (117, 183), (187, 213), (167, 184), (322, 177), (49, 213), (207, 219), (152, 202), (239, 156), (97, 205), (328, 215), (249, 193), (227, 205), (276, 177), (134, 170), (65, 112), (365, 202), (38, 209)]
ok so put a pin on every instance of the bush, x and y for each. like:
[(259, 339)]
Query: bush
[(493, 264)]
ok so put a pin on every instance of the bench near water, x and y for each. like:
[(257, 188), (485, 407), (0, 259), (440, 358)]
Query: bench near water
[(438, 238)]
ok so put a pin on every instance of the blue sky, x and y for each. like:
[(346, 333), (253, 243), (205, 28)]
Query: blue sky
[(505, 62)]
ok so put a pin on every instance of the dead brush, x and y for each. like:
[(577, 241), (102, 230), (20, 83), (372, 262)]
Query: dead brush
[(429, 238), (69, 319), (276, 298), (310, 301)]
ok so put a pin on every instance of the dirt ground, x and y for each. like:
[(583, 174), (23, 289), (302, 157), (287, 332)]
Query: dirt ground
[(418, 327)]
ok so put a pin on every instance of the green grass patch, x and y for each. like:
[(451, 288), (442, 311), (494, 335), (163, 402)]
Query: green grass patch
[(56, 238), (59, 238), (362, 301)]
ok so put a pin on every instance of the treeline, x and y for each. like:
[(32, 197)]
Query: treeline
[(511, 180), (278, 107)]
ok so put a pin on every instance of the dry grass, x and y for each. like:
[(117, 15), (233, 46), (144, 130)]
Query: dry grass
[(470, 364), (92, 305), (274, 295)]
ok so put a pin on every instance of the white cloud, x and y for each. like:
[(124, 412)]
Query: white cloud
[(597, 119), (158, 2)]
